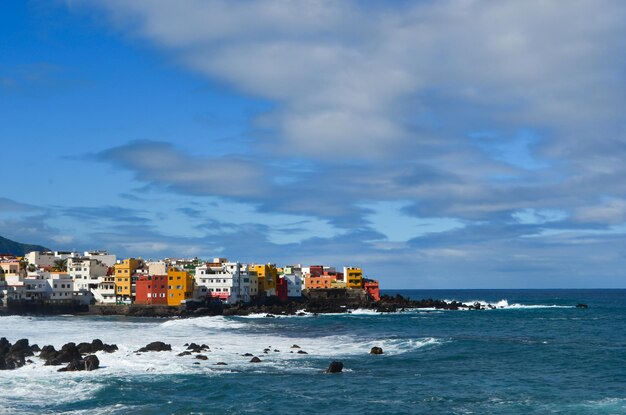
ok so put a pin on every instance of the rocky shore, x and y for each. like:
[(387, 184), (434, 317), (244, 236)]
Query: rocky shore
[(319, 302), (82, 356)]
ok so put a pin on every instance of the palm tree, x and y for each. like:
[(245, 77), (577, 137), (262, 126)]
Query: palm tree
[(60, 265)]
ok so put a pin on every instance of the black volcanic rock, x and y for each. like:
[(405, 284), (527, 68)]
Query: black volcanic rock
[(91, 362), (155, 347), (255, 360), (376, 350), (85, 348), (335, 367)]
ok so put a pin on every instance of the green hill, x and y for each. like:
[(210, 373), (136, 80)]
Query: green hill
[(8, 246)]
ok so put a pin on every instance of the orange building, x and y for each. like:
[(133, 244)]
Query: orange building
[(179, 286), (318, 282), (267, 275), (123, 272)]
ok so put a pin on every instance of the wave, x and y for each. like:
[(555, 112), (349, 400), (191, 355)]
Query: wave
[(504, 305)]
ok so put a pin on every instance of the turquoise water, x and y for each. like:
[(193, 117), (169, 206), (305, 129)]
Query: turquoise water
[(537, 354)]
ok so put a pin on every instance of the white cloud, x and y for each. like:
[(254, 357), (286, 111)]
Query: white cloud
[(348, 77), (612, 211)]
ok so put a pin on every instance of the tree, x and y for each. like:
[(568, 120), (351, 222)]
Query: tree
[(60, 265)]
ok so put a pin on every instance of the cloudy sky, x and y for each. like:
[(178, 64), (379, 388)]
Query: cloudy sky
[(438, 144)]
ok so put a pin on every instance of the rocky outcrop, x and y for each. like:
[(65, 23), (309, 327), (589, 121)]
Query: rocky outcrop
[(255, 360), (155, 347), (13, 356), (335, 367), (376, 350), (196, 348), (92, 362), (89, 363)]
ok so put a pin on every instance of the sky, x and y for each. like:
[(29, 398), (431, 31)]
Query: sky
[(437, 144)]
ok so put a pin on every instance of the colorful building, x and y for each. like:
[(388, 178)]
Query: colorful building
[(179, 286), (282, 289), (267, 276), (124, 272), (318, 282), (152, 289), (353, 277)]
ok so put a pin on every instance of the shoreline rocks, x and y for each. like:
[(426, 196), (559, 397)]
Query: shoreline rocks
[(13, 356), (335, 367), (157, 346)]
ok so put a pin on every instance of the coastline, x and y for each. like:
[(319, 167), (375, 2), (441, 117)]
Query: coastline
[(313, 304)]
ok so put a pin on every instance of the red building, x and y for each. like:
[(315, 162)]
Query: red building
[(151, 289), (372, 289), (317, 270), (282, 291)]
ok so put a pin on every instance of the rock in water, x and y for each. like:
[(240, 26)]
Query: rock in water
[(581, 305), (255, 360), (155, 347), (376, 350), (85, 348), (97, 345), (92, 362), (73, 366), (335, 367)]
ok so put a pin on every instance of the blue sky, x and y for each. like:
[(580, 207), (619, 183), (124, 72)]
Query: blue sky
[(448, 144)]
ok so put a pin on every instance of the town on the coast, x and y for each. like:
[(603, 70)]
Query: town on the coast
[(100, 278)]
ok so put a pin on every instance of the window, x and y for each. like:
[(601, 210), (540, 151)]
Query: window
[(179, 287), (169, 287), (171, 295)]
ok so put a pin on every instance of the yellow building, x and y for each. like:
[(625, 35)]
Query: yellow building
[(179, 286), (353, 277), (124, 278), (267, 275)]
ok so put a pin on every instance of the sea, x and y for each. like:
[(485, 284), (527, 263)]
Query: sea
[(535, 353)]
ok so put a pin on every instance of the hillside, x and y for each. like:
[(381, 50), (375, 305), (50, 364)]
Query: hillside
[(8, 246)]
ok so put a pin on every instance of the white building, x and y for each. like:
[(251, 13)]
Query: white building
[(40, 259), (62, 286), (14, 287), (295, 280), (104, 293), (294, 285), (86, 272), (103, 256), (230, 282), (37, 286)]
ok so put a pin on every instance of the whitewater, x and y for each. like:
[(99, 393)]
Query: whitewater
[(533, 353)]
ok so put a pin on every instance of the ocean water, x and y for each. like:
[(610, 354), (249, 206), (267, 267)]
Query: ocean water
[(535, 354)]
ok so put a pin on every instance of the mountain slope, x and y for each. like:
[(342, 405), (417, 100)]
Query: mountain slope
[(8, 246)]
